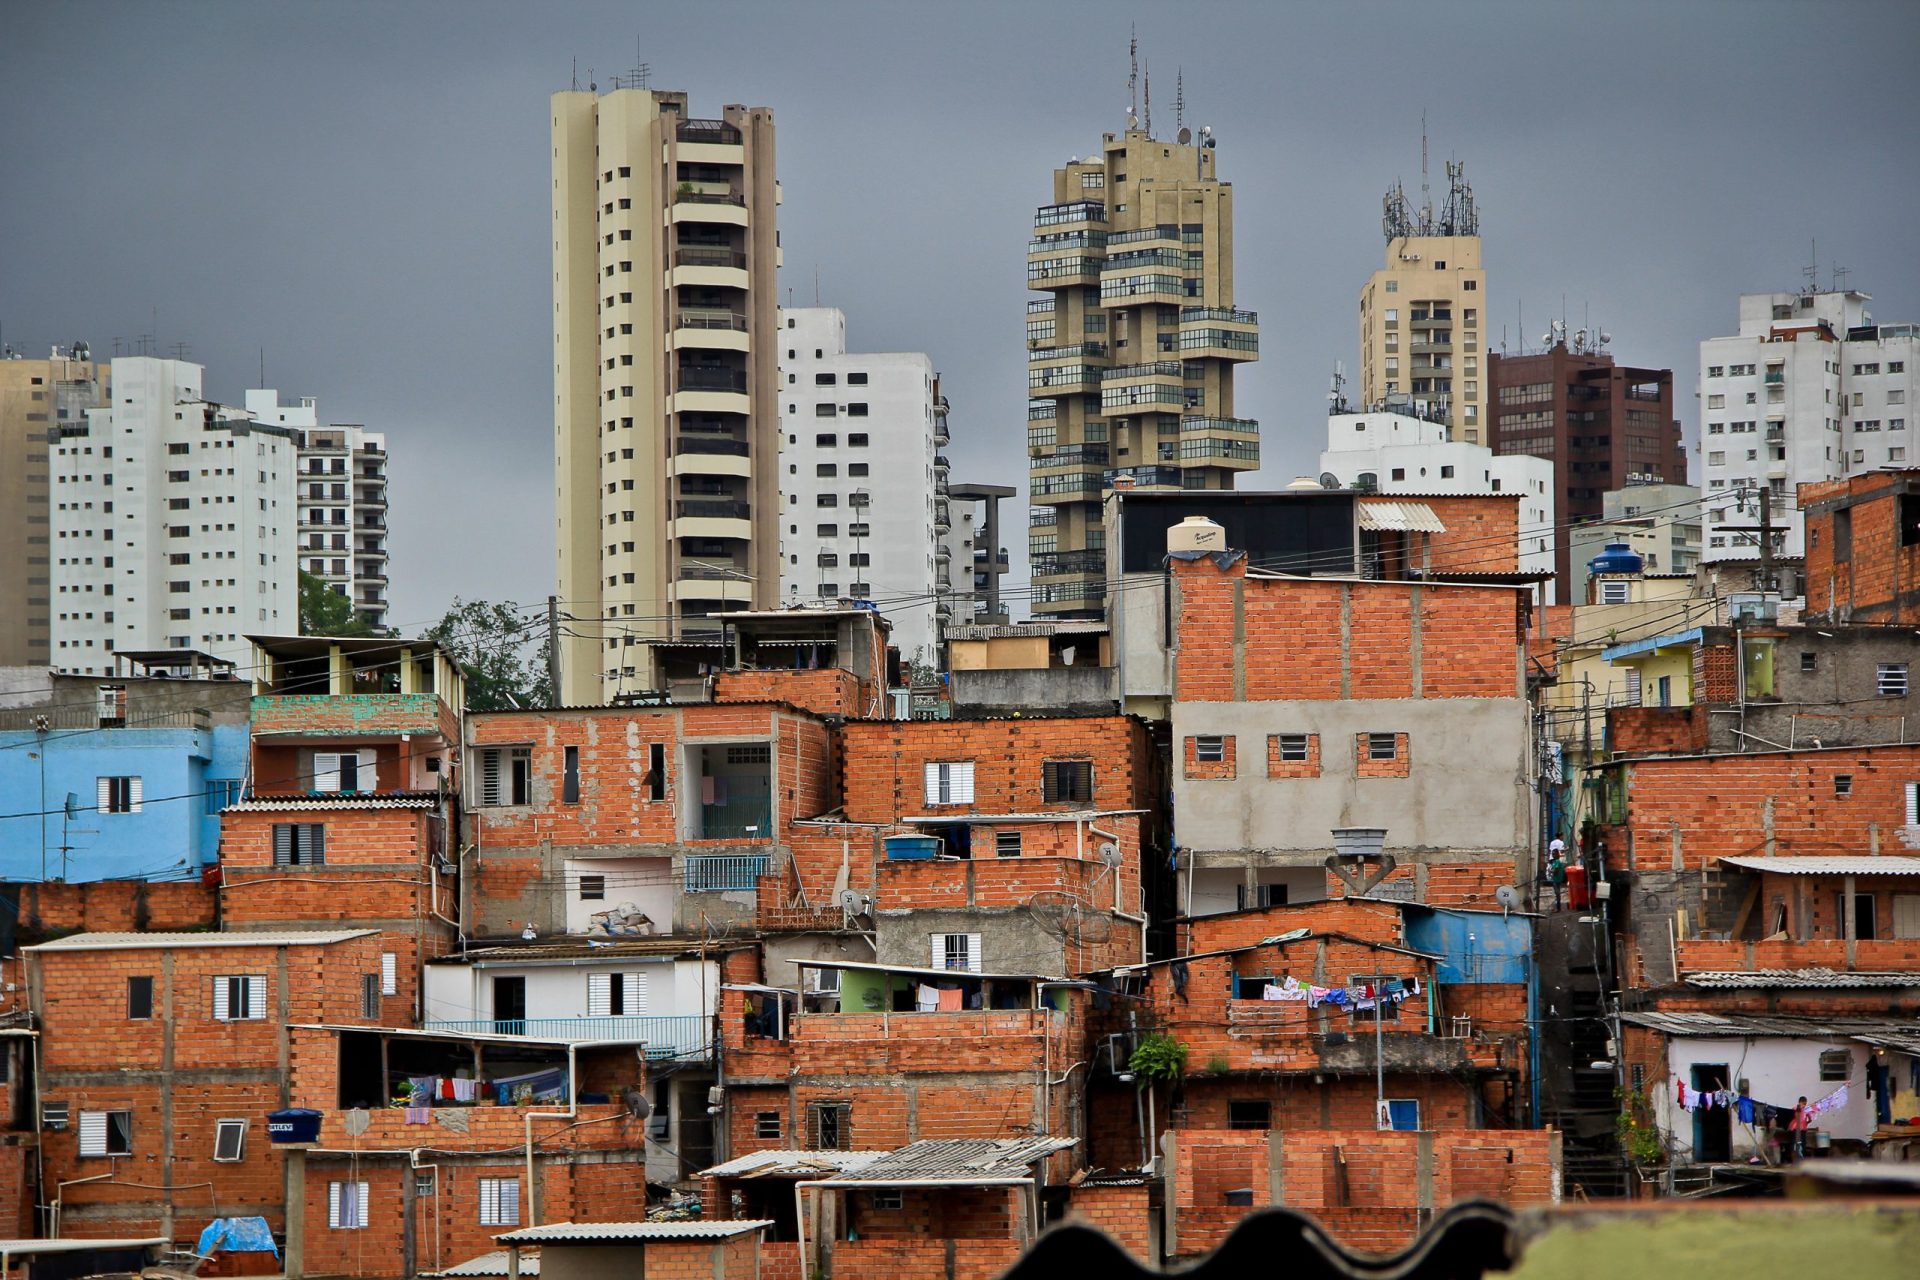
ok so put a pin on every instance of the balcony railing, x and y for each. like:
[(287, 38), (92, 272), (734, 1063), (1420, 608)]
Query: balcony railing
[(1147, 476), (699, 255), (1073, 455), (1152, 369), (713, 508), (1097, 349), (1056, 563), (707, 131), (725, 872), (666, 1035), (712, 380), (689, 319), (1246, 425), (693, 196), (1192, 315), (694, 571), (710, 444), (1051, 215)]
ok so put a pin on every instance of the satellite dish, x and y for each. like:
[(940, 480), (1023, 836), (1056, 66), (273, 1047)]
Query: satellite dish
[(1507, 896), (854, 902), (636, 1102), (1110, 853), (1184, 136), (1328, 480)]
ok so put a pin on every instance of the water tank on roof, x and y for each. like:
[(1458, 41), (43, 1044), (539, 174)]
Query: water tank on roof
[(1196, 533), (1616, 557)]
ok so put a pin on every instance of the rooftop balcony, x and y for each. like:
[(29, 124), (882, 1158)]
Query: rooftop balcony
[(679, 1037), (1059, 215), (718, 132)]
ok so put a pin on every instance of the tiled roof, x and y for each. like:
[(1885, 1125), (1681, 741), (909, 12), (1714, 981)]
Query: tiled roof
[(958, 1159), (609, 1232), (1866, 865), (163, 941), (1816, 977), (791, 1164)]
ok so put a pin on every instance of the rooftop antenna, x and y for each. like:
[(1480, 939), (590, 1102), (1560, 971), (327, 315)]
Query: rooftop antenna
[(1179, 99), (576, 73), (1812, 270), (1146, 101), (1840, 275), (1426, 198), (1133, 77)]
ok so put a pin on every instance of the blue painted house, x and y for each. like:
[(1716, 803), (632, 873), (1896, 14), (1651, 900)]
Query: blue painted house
[(116, 803)]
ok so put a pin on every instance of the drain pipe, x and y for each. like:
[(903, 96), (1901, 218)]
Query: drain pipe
[(59, 1193), (413, 1163), (571, 1113)]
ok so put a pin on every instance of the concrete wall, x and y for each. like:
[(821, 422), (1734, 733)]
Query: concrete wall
[(458, 992), (1011, 940), (1085, 690), (1465, 789)]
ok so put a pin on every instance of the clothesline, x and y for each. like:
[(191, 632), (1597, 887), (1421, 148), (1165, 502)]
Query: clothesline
[(1355, 999), (1745, 1107)]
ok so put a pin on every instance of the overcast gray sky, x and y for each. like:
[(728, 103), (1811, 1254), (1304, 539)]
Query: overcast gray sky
[(361, 189)]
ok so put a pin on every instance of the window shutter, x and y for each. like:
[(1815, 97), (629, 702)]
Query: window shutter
[(490, 776), (1913, 804), (222, 1010), (1050, 781), (932, 772), (973, 953), (106, 794), (256, 996), (326, 771), (333, 1205), (134, 793), (93, 1133), (636, 992), (389, 974), (316, 842), (283, 844), (599, 995)]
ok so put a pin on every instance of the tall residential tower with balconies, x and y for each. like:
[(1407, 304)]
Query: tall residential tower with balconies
[(1421, 314), (666, 421), (1131, 345)]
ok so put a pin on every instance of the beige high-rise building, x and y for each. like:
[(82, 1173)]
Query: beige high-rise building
[(666, 426), (1422, 314), (1130, 350), (35, 397)]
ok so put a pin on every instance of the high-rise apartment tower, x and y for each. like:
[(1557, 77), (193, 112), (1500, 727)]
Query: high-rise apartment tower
[(1130, 349), (1421, 314), (36, 398), (665, 349)]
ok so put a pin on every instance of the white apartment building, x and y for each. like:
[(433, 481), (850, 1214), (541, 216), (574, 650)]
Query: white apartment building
[(173, 523), (863, 487), (1395, 452), (1809, 389), (341, 497)]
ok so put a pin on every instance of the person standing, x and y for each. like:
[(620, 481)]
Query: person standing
[(1797, 1128), (1557, 869)]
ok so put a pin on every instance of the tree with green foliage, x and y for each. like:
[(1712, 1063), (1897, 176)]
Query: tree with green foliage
[(326, 612), (502, 650)]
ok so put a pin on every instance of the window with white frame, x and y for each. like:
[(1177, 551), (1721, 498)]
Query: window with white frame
[(240, 997), (1891, 680), (106, 1133), (766, 1124), (506, 776), (229, 1141), (347, 1206), (613, 995), (119, 795), (950, 782), (499, 1202), (957, 951), (1209, 748), (335, 771), (389, 974), (1291, 747), (1615, 592)]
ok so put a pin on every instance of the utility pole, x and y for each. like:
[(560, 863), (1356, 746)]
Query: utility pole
[(1765, 532), (1381, 1119), (553, 651)]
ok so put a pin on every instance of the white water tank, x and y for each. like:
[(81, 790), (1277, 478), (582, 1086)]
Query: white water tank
[(1196, 533)]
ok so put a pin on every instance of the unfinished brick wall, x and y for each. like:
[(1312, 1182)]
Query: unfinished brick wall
[(828, 692), (1325, 640), (1879, 578), (1374, 1191), (1124, 1212), (1483, 532), (113, 906), (1373, 921), (1686, 812), (886, 761), (1657, 730), (1280, 767), (1367, 765), (1195, 767), (178, 1073)]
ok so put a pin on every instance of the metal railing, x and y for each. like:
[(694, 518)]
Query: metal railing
[(689, 319), (708, 444), (725, 872), (693, 196), (1191, 315), (712, 380), (666, 1035), (699, 255), (1050, 215), (713, 508)]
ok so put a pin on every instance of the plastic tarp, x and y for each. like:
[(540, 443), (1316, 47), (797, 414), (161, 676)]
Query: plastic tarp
[(236, 1235)]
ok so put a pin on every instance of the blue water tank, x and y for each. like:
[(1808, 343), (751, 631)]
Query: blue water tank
[(1616, 557), (912, 848)]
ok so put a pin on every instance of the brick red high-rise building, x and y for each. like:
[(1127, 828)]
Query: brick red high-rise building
[(1603, 425)]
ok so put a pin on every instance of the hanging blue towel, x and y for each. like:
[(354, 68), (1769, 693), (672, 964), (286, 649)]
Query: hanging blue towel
[(236, 1235)]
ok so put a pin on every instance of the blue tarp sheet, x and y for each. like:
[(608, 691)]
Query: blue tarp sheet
[(236, 1235)]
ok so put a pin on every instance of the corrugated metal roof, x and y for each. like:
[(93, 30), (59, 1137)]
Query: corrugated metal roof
[(1024, 630), (1817, 977), (490, 1264), (958, 1159), (1829, 866), (791, 1164), (1759, 1024), (277, 804), (615, 1232), (163, 941), (575, 948), (1399, 517)]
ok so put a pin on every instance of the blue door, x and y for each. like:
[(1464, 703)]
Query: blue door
[(1404, 1113)]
